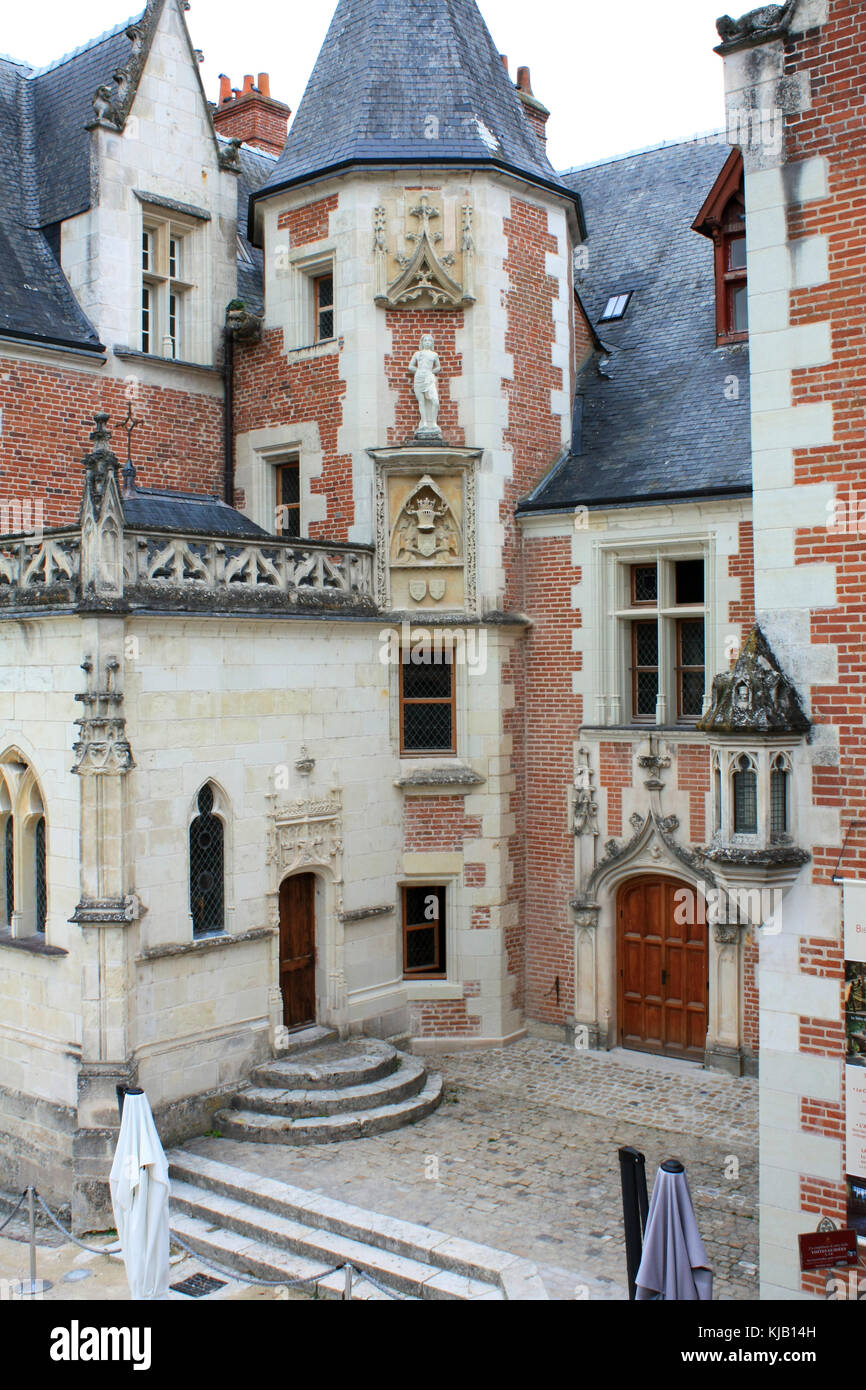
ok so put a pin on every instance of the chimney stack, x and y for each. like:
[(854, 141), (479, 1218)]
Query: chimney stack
[(535, 111), (252, 115)]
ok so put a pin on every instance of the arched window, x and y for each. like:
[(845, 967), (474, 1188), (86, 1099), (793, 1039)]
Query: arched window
[(206, 867), (40, 887), (745, 798), (717, 793), (9, 870), (779, 785), (23, 847)]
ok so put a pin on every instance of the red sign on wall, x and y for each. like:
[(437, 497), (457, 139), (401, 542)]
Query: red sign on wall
[(827, 1249)]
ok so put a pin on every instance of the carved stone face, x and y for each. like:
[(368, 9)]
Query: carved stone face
[(427, 343)]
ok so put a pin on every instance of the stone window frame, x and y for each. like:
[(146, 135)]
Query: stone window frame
[(447, 986), (416, 977), (192, 344), (617, 614), (307, 266), (222, 811), (723, 765), (21, 800)]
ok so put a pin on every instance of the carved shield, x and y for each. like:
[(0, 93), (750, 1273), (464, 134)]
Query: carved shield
[(418, 589), (437, 589)]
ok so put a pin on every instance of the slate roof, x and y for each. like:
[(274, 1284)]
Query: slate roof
[(36, 302), (658, 425), (61, 106), (401, 82), (256, 168), (160, 509)]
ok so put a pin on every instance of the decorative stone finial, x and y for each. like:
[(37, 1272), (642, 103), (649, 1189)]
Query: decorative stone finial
[(755, 697)]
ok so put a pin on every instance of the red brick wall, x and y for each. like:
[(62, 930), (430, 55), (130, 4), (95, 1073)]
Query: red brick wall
[(615, 772), (47, 419), (255, 120), (447, 1018), (741, 611), (534, 433), (553, 717), (438, 823), (271, 391), (750, 994), (514, 728), (693, 776), (406, 327), (311, 222)]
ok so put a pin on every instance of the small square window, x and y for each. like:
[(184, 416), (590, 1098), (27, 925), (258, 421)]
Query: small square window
[(288, 510), (323, 289), (689, 581), (424, 932), (427, 706), (644, 585), (616, 307)]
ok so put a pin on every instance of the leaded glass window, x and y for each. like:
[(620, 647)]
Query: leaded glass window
[(9, 867), (41, 889), (424, 930), (745, 787), (206, 867)]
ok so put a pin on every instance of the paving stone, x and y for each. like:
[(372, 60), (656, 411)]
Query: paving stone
[(557, 1117)]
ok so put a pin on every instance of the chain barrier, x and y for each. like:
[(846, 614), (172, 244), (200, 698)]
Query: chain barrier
[(113, 1248), (13, 1214)]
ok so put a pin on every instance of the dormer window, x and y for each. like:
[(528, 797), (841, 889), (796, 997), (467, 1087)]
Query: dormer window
[(723, 220), (616, 307), (166, 292)]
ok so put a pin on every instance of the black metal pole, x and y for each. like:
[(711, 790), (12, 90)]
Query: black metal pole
[(635, 1205)]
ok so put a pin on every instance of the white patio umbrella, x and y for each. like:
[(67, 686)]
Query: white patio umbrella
[(139, 1195), (674, 1263)]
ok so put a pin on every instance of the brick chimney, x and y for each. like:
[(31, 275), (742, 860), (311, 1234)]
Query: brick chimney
[(252, 114), (535, 111)]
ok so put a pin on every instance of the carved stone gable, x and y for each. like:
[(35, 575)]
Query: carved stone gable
[(755, 697), (426, 276)]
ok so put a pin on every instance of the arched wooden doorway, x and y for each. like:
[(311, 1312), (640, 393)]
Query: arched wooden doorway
[(298, 949), (662, 960)]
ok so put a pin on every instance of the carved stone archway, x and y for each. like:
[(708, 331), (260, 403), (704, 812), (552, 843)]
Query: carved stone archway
[(653, 849), (306, 836)]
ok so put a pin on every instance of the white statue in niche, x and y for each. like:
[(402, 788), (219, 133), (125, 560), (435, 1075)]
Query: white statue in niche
[(425, 367)]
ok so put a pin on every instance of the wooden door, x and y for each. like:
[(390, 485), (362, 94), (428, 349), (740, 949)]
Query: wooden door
[(298, 949), (663, 987)]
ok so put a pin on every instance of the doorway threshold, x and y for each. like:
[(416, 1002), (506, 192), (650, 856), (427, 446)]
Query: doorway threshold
[(652, 1061)]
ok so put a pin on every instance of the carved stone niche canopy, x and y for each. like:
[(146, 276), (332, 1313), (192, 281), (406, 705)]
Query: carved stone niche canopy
[(425, 528), (416, 271), (755, 724)]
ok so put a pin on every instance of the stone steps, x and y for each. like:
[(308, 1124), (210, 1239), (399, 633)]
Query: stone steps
[(321, 1068), (258, 1127), (272, 1230), (405, 1080)]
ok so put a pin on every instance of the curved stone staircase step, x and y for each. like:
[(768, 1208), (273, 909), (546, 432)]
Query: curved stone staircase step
[(329, 1067), (406, 1080), (260, 1128)]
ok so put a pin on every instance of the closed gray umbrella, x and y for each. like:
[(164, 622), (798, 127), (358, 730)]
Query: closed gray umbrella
[(674, 1263)]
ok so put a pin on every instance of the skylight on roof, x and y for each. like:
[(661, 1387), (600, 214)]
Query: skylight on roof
[(616, 307)]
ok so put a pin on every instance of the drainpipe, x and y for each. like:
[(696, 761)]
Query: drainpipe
[(228, 416)]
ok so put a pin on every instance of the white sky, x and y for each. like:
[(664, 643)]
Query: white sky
[(616, 74)]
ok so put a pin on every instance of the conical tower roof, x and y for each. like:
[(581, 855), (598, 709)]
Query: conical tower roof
[(401, 82)]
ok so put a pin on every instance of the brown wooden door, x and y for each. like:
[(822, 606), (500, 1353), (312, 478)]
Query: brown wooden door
[(663, 988), (298, 949)]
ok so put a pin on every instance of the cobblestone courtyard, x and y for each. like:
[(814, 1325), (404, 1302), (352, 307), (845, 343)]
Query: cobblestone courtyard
[(522, 1156)]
